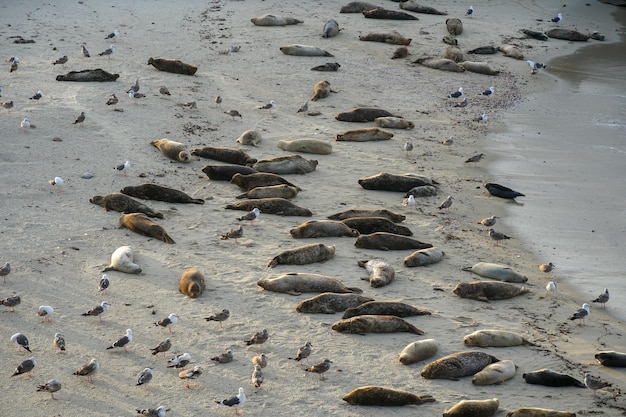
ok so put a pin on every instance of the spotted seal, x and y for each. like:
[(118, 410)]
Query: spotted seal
[(294, 283), (141, 224), (486, 290), (368, 225), (385, 308), (316, 252), (226, 172), (382, 13), (322, 228), (271, 191), (454, 26), (394, 123), (394, 217), (413, 6), (362, 114), (444, 64), (539, 412), (393, 182), (287, 164), (473, 408), (173, 150), (457, 365), (363, 135), (97, 75), (228, 155), (260, 179), (389, 241), (374, 324), (393, 38), (380, 396), (424, 257), (496, 373), (303, 50), (551, 379), (172, 65), (274, 205), (494, 338), (611, 358), (330, 303), (271, 20), (380, 272), (497, 271), (314, 146), (124, 204), (147, 191)]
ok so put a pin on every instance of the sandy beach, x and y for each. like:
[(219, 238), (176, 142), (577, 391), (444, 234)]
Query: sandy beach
[(58, 243)]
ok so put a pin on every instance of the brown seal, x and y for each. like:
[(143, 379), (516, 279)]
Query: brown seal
[(385, 308), (275, 205), (511, 51), (539, 412), (473, 408), (496, 373), (444, 64), (454, 26), (260, 179), (362, 114), (316, 252), (287, 164), (382, 13), (271, 191), (296, 283), (173, 150), (331, 303), (191, 283), (381, 273), (567, 35), (393, 38), (124, 204), (364, 135), (418, 351), (357, 7), (226, 172), (303, 50), (322, 228), (122, 260), (551, 379), (450, 40), (394, 217), (379, 396), (454, 53), (412, 6), (321, 90), (271, 20), (401, 52), (389, 241), (457, 365), (424, 257), (329, 66), (315, 146), (249, 137), (368, 225), (540, 36), (140, 223), (374, 324), (172, 65), (393, 182), (149, 191), (479, 67), (394, 123), (331, 28), (97, 75), (228, 155), (421, 191), (487, 290), (611, 358)]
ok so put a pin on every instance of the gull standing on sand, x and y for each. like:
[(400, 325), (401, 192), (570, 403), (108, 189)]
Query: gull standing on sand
[(46, 313), (123, 341), (457, 93), (269, 106), (103, 284), (469, 11), (98, 311), (445, 204), (152, 412), (251, 215), (581, 314), (236, 402), (257, 376), (258, 339), (5, 270), (61, 61), (59, 341), (134, 87), (408, 147), (164, 346), (113, 35), (179, 361), (551, 287), (463, 103), (233, 114), (25, 367), (303, 352), (410, 202), (535, 66), (602, 298), (488, 221), (594, 383), (225, 357), (218, 101), (163, 90), (475, 159), (14, 65), (88, 370), (145, 377), (260, 360), (135, 96), (482, 118), (123, 167), (84, 52), (557, 19), (112, 101), (488, 93), (546, 268), (80, 119), (234, 233), (108, 52), (38, 95), (190, 374), (497, 236), (25, 124), (11, 301), (51, 386), (320, 368), (219, 317), (304, 108), (167, 322), (448, 142), (7, 105), (21, 340)]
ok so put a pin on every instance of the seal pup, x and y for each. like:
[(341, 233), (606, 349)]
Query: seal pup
[(495, 338), (381, 273), (602, 298), (454, 53), (164, 90), (147, 191), (454, 26), (271, 20), (539, 412), (122, 260), (511, 51), (329, 66), (321, 90), (366, 323), (316, 252), (487, 290), (51, 386), (418, 351), (400, 52), (473, 408), (141, 224), (331, 28), (296, 283), (249, 137), (497, 271), (379, 396), (173, 150), (384, 308), (320, 368), (457, 365), (191, 283), (123, 204), (551, 379), (26, 366), (424, 257)]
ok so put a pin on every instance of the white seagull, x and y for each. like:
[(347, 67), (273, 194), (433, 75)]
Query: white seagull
[(152, 412), (145, 377), (487, 93), (551, 287), (21, 340), (179, 361), (557, 19), (98, 311), (103, 284), (269, 106), (123, 167), (123, 341), (535, 66), (88, 370), (581, 314), (166, 322), (36, 96), (108, 52), (457, 93), (113, 35), (25, 124), (236, 401), (469, 11), (45, 312), (251, 215)]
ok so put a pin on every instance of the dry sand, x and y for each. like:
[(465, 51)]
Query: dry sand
[(58, 243)]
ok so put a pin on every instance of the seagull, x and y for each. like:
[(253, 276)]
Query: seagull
[(152, 412), (445, 204), (236, 401), (487, 93), (235, 48), (98, 311), (7, 105), (59, 341), (260, 360), (21, 340), (408, 147), (218, 101), (469, 11), (304, 108), (37, 96), (475, 159), (233, 114), (112, 101), (13, 59), (463, 103), (25, 124), (113, 35), (303, 352), (557, 19), (269, 106), (135, 96), (5, 270), (61, 60), (497, 236), (45, 312), (448, 141), (409, 201), (234, 233), (164, 346), (219, 317), (84, 52), (51, 386), (104, 283), (145, 377), (166, 322), (251, 215), (257, 376), (179, 361), (581, 314), (190, 374), (123, 341), (320, 368), (134, 87), (488, 221), (163, 90), (108, 52), (88, 370), (14, 66), (546, 267), (258, 338), (594, 383), (11, 302), (551, 287), (457, 93), (25, 367), (225, 357), (123, 167), (80, 118), (602, 298), (535, 66), (482, 118)]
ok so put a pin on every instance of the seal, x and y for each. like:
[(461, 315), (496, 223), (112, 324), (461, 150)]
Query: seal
[(329, 66), (382, 13), (303, 50), (357, 7), (362, 114), (316, 252), (287, 164), (501, 191), (384, 308), (485, 291), (473, 408), (567, 35), (321, 90), (191, 283), (421, 191), (124, 204), (539, 412), (173, 150), (394, 123), (368, 225), (315, 146), (249, 137), (401, 52), (450, 40), (511, 51), (454, 53), (147, 191), (331, 303), (495, 338), (122, 260), (98, 75), (141, 224), (496, 373), (540, 36), (260, 179), (296, 283), (386, 397), (389, 241), (348, 214), (498, 272), (322, 228), (611, 358), (457, 365), (393, 38), (331, 28), (418, 351), (228, 155), (551, 379), (271, 20), (479, 67), (172, 65), (274, 205), (424, 257), (367, 134), (392, 182), (444, 64), (381, 273), (226, 172), (271, 191), (412, 6), (374, 324), (454, 26), (484, 50)]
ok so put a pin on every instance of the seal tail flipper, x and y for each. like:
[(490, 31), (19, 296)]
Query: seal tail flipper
[(355, 289)]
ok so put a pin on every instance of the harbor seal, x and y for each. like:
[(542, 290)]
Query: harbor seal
[(362, 114), (295, 283), (389, 241), (141, 224), (418, 351), (611, 358), (287, 164), (454, 53), (457, 365), (479, 67), (122, 260), (271, 191), (314, 146), (424, 257), (540, 36), (401, 52), (567, 35), (348, 214), (412, 6), (274, 205), (384, 181), (147, 191), (191, 282), (497, 271), (357, 7), (380, 272), (226, 172), (511, 51), (421, 191), (228, 155), (316, 252), (393, 38), (271, 20), (249, 137), (394, 123), (385, 308), (124, 204), (98, 75), (382, 13), (485, 291), (444, 64), (454, 26), (173, 150), (496, 373), (501, 191), (495, 338), (484, 50), (374, 324), (322, 228), (368, 225), (331, 28), (367, 134), (303, 50), (172, 65), (387, 397), (321, 90), (260, 179), (539, 412), (331, 303), (473, 408), (551, 379), (329, 66)]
